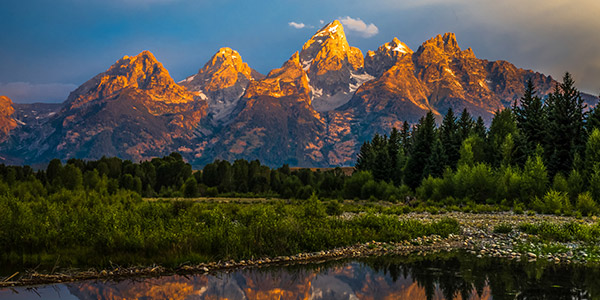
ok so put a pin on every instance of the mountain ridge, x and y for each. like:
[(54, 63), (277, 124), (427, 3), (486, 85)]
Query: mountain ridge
[(313, 111)]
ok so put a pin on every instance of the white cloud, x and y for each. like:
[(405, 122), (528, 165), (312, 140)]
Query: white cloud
[(297, 25), (360, 26), (322, 22), (26, 92)]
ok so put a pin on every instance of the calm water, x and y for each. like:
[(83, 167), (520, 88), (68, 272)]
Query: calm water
[(445, 276)]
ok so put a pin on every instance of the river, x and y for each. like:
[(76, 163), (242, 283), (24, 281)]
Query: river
[(438, 276)]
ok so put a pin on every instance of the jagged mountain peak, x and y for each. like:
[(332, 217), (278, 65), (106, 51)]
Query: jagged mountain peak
[(442, 48), (222, 81), (223, 70), (334, 68), (396, 46), (140, 72), (290, 79), (329, 41), (137, 67), (291, 69), (377, 62), (227, 58), (333, 29), (444, 43)]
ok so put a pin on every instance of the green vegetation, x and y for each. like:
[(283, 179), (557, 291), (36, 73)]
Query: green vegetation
[(542, 155), (458, 165), (563, 232), (503, 228), (85, 228)]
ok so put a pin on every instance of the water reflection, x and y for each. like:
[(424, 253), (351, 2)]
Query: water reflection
[(445, 276)]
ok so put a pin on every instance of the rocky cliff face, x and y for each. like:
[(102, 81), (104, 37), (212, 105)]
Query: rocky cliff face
[(275, 122), (457, 78), (133, 110), (334, 68), (316, 110), (222, 82), (7, 123), (377, 62)]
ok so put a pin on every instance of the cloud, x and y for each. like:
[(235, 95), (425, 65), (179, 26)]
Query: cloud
[(25, 92), (297, 25), (360, 26), (322, 22)]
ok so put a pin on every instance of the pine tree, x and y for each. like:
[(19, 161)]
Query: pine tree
[(395, 153), (436, 164), (405, 137), (422, 141), (450, 139), (381, 168), (531, 119), (565, 126), (593, 119), (364, 161), (479, 128), (465, 125)]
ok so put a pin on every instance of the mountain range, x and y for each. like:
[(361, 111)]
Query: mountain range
[(314, 111)]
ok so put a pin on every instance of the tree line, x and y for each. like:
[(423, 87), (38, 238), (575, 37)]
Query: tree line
[(542, 154)]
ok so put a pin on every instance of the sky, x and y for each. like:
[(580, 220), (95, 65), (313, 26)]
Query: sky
[(49, 47)]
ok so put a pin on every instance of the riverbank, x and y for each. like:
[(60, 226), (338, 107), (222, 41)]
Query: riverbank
[(483, 235)]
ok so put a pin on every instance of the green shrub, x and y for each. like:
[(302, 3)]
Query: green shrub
[(586, 205), (503, 228), (563, 232), (334, 208), (555, 202), (518, 208), (211, 192)]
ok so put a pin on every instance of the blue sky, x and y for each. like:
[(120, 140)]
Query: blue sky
[(50, 47)]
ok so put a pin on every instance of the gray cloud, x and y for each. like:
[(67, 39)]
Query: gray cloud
[(25, 92), (358, 25)]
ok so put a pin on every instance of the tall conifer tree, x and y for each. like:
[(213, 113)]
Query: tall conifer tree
[(530, 115), (565, 133), (450, 139), (422, 142)]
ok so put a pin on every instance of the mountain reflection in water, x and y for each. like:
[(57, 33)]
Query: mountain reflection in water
[(445, 276)]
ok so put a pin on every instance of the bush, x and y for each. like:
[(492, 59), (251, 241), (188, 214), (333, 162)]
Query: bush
[(334, 208), (211, 192), (503, 228), (586, 205), (563, 232), (518, 209), (555, 202)]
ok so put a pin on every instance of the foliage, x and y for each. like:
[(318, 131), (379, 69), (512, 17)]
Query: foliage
[(563, 232), (503, 228), (94, 228)]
